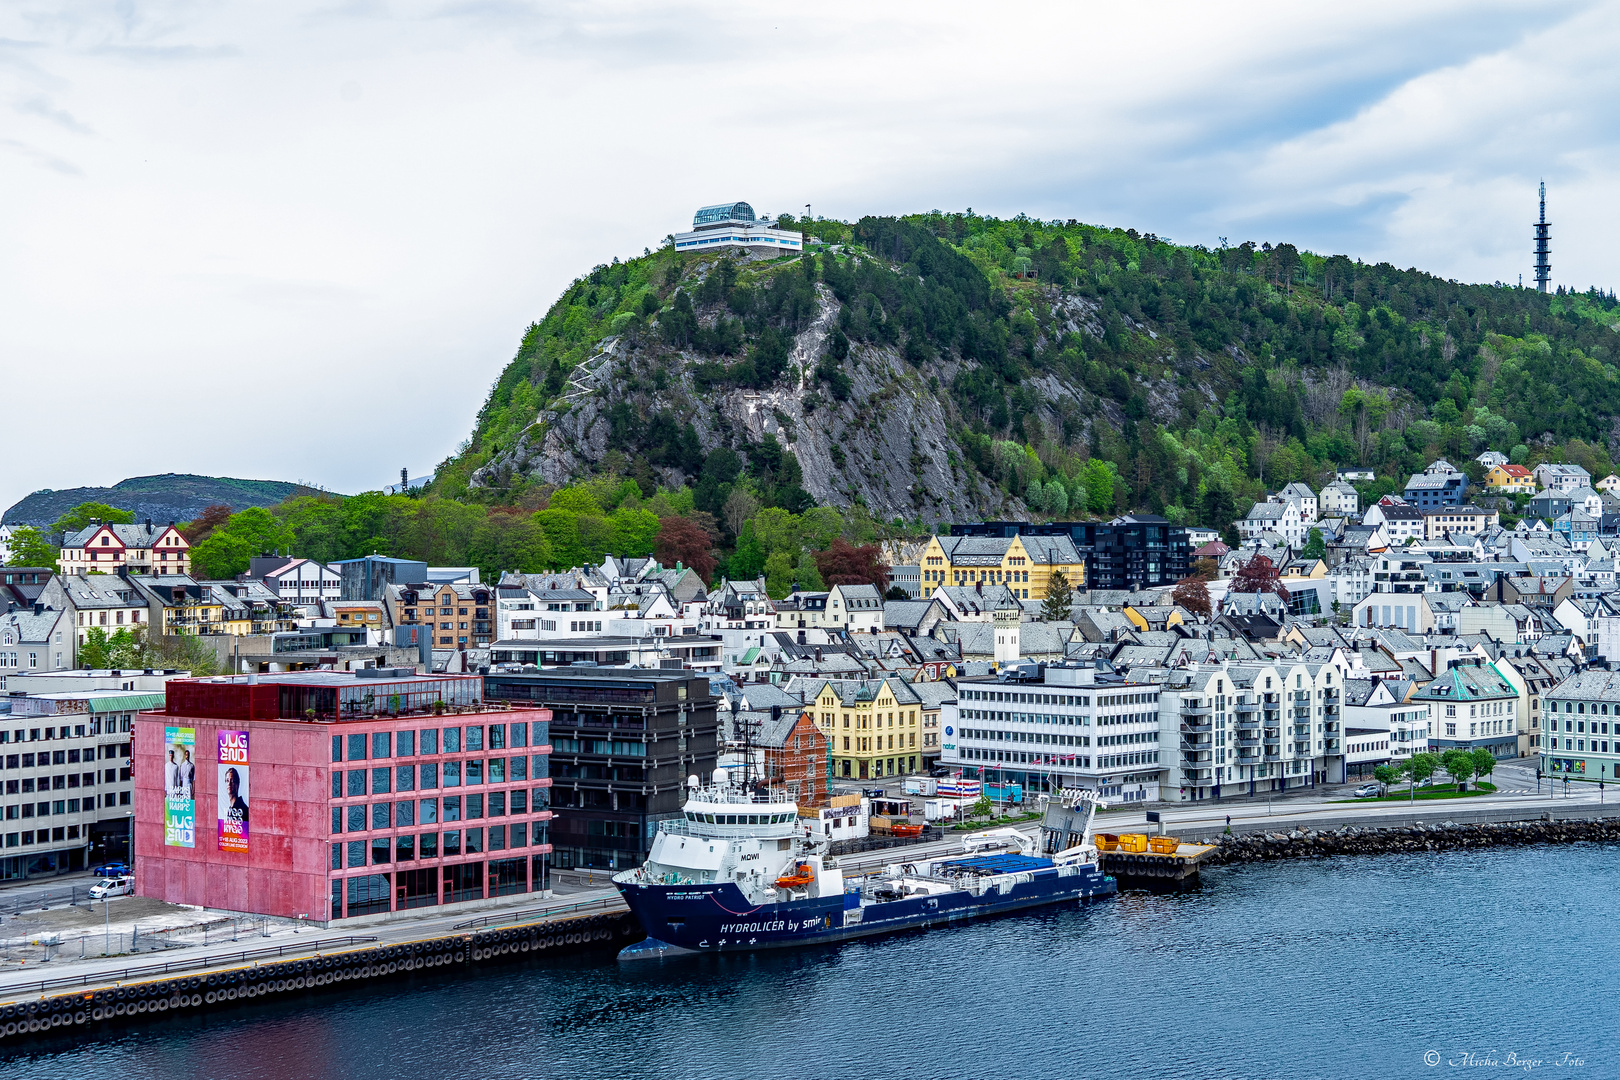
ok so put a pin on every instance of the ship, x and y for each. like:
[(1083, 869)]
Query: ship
[(738, 872)]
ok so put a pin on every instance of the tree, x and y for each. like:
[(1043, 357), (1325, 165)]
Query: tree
[(228, 549), (1059, 602), (124, 649), (749, 558), (1458, 764), (1192, 594), (1386, 775), (1315, 546), (1099, 477), (93, 653), (80, 517), (740, 506), (1484, 762), (845, 564), (198, 528), (1258, 575), (1205, 569), (808, 574), (779, 575), (896, 593), (1419, 767), (681, 540), (983, 808), (29, 547), (1057, 497)]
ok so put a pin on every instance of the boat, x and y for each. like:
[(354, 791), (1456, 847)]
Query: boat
[(738, 872)]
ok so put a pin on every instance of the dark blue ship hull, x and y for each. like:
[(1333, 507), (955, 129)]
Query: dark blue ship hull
[(718, 918)]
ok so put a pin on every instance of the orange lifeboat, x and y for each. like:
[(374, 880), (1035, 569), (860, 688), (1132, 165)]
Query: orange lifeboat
[(802, 875)]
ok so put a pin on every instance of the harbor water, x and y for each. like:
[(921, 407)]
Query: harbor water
[(1478, 962)]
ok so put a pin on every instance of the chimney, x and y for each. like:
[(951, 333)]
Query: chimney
[(39, 607)]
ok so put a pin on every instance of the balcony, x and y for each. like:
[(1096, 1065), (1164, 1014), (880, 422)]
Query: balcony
[(1302, 730), (1330, 708), (1203, 755), (1248, 754), (1203, 728), (1272, 754), (1247, 706), (1303, 749), (1195, 776), (1330, 726), (1248, 725), (1194, 710), (1330, 694), (1195, 742), (1248, 740), (1332, 745)]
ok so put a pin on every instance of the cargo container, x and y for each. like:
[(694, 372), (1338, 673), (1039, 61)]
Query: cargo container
[(958, 788), (921, 785)]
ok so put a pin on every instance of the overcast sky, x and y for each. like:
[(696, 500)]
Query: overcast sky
[(299, 241)]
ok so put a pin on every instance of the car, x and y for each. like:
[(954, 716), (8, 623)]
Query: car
[(112, 869), (939, 772), (107, 888), (1368, 791)]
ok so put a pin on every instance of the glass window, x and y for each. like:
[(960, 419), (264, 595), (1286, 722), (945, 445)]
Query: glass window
[(452, 774), (368, 895), (430, 775), (520, 768), (428, 845), (379, 780), (497, 770), (452, 808), (452, 740), (519, 833), (474, 841), (452, 842), (405, 778), (337, 748), (357, 818), (380, 744), (357, 747), (380, 814), (357, 781), (541, 798), (475, 806), (520, 801), (497, 837), (497, 737), (405, 814), (539, 767), (475, 771), (497, 803), (430, 740), (429, 809), (404, 848), (337, 819), (381, 850), (537, 830), (520, 735), (407, 744), (337, 783), (337, 858), (357, 853)]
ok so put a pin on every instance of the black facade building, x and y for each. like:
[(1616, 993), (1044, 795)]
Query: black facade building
[(623, 742), (1136, 551)]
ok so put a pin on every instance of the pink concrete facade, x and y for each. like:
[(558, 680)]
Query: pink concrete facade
[(301, 846)]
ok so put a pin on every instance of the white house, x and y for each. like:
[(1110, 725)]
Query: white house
[(1399, 520), (1339, 499), (1304, 496), (1492, 458), (1561, 476), (1283, 518)]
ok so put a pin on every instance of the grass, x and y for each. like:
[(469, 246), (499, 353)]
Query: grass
[(1441, 791), (994, 823)]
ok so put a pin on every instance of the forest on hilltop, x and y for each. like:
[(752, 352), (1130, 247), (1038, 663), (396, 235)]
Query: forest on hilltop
[(747, 414)]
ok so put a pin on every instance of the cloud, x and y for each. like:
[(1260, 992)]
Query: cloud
[(372, 199)]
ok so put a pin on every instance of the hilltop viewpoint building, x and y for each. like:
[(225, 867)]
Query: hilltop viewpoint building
[(733, 224)]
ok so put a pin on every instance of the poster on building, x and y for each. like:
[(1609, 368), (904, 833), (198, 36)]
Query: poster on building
[(179, 787), (233, 791)]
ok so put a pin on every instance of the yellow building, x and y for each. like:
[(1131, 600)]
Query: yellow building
[(1022, 563), (1510, 478), (872, 727)]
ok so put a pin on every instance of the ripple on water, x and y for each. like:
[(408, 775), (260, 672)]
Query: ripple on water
[(1343, 967)]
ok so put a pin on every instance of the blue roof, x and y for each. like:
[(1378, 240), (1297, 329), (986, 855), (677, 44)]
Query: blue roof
[(1005, 863)]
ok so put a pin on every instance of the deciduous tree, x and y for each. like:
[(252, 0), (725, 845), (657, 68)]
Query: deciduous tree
[(682, 540), (1192, 594), (844, 563)]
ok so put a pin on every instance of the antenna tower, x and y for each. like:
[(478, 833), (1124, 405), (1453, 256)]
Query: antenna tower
[(1543, 267)]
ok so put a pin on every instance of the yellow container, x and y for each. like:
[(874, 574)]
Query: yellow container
[(1133, 842), (1163, 845), (1105, 841)]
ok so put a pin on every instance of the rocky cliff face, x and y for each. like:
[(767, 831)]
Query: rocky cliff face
[(887, 446)]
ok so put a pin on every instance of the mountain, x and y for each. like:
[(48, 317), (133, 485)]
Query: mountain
[(169, 497), (941, 367)]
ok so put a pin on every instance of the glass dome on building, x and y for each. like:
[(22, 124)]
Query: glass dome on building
[(722, 214)]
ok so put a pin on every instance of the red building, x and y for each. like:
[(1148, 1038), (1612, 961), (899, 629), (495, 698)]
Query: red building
[(332, 795), (795, 757)]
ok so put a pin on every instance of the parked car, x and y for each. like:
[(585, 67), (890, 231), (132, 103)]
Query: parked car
[(107, 888), (1368, 791), (112, 869)]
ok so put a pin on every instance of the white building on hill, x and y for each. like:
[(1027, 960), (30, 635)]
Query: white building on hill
[(734, 225)]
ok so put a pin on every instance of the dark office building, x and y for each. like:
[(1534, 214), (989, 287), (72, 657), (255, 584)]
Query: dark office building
[(1136, 551), (623, 742), (369, 578)]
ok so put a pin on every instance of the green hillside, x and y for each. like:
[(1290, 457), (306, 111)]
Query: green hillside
[(165, 498), (935, 366)]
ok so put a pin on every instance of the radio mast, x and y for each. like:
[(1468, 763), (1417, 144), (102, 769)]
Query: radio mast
[(1543, 267)]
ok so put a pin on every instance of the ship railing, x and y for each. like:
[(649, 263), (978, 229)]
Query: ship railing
[(682, 827)]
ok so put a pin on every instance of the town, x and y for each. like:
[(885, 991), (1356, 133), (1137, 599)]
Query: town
[(1146, 662)]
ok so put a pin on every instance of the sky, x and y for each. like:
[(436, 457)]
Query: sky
[(299, 241)]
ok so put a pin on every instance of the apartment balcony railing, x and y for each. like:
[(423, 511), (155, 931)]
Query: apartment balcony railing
[(1194, 710)]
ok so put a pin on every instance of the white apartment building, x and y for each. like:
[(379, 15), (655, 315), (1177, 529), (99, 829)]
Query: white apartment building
[(1072, 728)]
